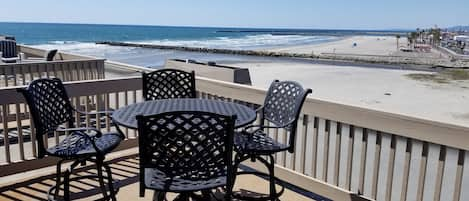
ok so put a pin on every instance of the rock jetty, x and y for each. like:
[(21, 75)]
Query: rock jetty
[(397, 60)]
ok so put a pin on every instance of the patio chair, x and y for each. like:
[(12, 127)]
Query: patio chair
[(8, 51), (50, 108), (281, 109), (168, 83), (185, 152)]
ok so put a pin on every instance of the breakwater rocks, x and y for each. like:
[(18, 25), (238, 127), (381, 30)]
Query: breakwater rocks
[(378, 59), (208, 50)]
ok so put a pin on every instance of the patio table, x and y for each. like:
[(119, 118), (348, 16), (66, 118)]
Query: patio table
[(125, 116)]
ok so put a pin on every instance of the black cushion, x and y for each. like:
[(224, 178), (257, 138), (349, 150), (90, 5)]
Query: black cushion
[(158, 180), (257, 142), (76, 145)]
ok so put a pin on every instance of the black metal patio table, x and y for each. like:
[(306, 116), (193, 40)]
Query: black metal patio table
[(125, 116)]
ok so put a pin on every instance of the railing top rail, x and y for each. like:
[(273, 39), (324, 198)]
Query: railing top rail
[(49, 62), (418, 128), (78, 88), (129, 66), (60, 54), (444, 133)]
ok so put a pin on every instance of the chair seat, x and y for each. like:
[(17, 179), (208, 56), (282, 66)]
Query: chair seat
[(158, 180), (257, 142), (74, 145)]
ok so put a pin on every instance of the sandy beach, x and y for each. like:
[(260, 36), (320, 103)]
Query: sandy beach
[(385, 89), (369, 45), (377, 88)]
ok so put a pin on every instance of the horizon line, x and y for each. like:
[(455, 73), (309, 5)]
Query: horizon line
[(229, 27)]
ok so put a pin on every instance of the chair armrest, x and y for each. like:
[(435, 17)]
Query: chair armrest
[(259, 109), (107, 113), (98, 132), (264, 126)]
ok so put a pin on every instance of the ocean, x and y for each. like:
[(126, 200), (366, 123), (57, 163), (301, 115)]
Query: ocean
[(81, 38)]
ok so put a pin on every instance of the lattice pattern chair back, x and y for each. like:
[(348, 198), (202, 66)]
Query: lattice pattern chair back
[(188, 145), (8, 48), (282, 105), (168, 83), (50, 107)]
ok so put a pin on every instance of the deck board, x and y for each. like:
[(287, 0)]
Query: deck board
[(125, 169)]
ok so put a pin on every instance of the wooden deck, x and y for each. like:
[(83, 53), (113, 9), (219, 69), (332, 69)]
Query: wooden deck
[(341, 150), (34, 185)]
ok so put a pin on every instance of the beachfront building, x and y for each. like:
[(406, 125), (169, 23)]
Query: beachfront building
[(462, 43), (342, 152)]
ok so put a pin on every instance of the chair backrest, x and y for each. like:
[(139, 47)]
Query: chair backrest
[(8, 48), (282, 106), (168, 83), (49, 106), (189, 144), (50, 55)]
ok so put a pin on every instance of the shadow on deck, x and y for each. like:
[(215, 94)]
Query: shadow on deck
[(125, 171)]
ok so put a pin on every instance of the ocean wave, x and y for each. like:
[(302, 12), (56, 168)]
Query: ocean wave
[(90, 49), (63, 42), (155, 57), (244, 42)]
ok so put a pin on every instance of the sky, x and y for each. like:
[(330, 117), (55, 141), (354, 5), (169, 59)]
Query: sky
[(313, 14)]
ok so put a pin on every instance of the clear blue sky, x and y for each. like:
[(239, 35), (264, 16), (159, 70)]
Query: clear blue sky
[(333, 14)]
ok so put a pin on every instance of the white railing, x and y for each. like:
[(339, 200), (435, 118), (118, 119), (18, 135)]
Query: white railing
[(340, 149), (70, 70), (380, 155), (67, 67), (19, 151)]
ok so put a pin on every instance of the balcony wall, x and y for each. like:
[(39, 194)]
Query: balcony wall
[(66, 67), (341, 150)]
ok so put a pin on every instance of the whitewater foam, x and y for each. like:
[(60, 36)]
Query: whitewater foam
[(155, 57), (244, 42)]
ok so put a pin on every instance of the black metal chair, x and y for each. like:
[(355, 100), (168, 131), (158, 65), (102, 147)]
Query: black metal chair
[(281, 109), (50, 107), (168, 83), (9, 53), (186, 152)]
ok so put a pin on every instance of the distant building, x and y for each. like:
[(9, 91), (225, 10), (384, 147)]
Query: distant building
[(461, 38)]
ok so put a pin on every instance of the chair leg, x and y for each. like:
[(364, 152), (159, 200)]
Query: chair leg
[(228, 193), (110, 182), (182, 197), (67, 185), (237, 161), (230, 186), (58, 179), (99, 167), (206, 195), (159, 196), (271, 167)]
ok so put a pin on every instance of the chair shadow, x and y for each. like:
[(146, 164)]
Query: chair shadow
[(125, 172), (219, 194)]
